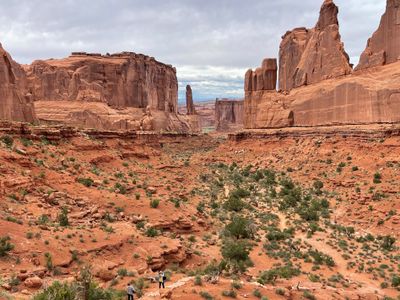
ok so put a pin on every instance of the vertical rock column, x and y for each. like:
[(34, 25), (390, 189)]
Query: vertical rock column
[(189, 101)]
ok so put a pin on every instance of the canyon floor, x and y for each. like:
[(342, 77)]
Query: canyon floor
[(274, 215)]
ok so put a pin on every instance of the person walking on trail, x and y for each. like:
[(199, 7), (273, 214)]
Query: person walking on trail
[(161, 280), (130, 291)]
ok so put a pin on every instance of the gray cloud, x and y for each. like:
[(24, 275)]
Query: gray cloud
[(211, 42)]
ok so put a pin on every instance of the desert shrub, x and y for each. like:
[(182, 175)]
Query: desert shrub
[(63, 217), (318, 185), (83, 288), (388, 243), (230, 294), (257, 293), (88, 182), (154, 203), (308, 295), (234, 203), (275, 234), (377, 178), (206, 295), (239, 228), (152, 232), (236, 254), (272, 275), (49, 261), (120, 188), (396, 281), (5, 245), (7, 140), (198, 281)]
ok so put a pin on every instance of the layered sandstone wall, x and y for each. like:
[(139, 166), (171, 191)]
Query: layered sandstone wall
[(15, 103), (384, 45), (229, 114), (120, 80), (317, 87)]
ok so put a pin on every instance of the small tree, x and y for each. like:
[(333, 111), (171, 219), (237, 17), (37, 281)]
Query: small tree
[(239, 228)]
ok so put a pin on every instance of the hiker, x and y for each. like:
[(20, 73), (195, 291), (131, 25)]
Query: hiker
[(130, 291), (161, 280)]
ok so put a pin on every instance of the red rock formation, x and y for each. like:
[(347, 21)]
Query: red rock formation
[(316, 55), (228, 114), (119, 80), (359, 98), (264, 78), (384, 45), (15, 103), (190, 109), (310, 56)]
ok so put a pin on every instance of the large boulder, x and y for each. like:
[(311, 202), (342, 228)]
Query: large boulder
[(384, 45)]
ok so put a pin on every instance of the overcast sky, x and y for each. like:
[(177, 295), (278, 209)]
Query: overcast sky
[(210, 42)]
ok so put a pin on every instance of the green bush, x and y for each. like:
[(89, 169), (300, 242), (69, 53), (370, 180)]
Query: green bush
[(230, 294), (286, 272), (88, 182), (234, 203), (7, 140), (152, 232), (396, 280), (5, 245), (83, 288), (63, 217), (388, 243), (236, 254), (206, 295), (239, 228), (198, 281), (154, 203)]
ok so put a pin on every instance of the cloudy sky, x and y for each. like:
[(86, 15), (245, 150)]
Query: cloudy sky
[(210, 42)]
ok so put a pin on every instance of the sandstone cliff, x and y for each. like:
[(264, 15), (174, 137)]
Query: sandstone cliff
[(384, 45), (228, 114), (317, 56), (123, 91), (360, 98), (15, 103), (310, 56)]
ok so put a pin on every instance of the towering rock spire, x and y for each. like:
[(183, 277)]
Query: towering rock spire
[(14, 104), (384, 45), (310, 56), (189, 101)]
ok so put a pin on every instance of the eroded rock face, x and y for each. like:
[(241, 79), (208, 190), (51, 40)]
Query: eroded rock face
[(384, 45), (190, 109), (15, 103), (354, 99), (228, 114), (264, 78), (310, 56), (119, 80)]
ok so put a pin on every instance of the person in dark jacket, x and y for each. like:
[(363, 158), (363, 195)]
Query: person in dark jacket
[(130, 291)]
